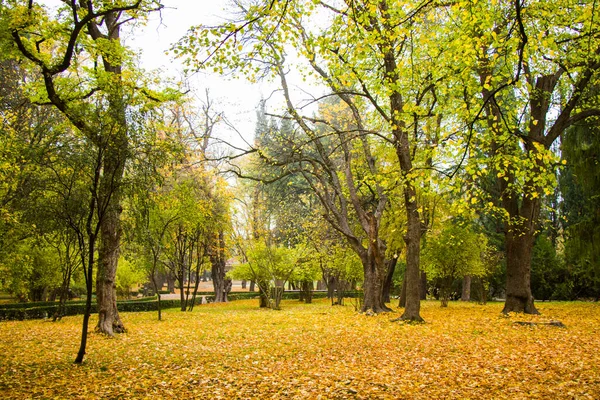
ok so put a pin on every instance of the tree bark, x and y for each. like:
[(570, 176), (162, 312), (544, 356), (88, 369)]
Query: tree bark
[(387, 285), (404, 155), (518, 274), (218, 262), (519, 240), (412, 239), (374, 275), (466, 288), (109, 321), (402, 300)]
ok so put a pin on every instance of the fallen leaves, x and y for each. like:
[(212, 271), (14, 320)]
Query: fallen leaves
[(309, 352)]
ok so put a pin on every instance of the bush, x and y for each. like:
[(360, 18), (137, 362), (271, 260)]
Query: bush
[(39, 310)]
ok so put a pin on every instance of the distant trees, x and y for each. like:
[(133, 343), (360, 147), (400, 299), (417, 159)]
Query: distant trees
[(454, 252), (580, 192)]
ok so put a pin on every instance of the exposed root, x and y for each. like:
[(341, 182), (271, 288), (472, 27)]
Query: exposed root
[(408, 320), (551, 323)]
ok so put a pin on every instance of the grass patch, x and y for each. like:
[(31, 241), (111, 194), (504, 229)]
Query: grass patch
[(305, 351)]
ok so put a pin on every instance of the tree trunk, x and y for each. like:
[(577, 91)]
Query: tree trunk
[(402, 300), (519, 236), (64, 291), (88, 303), (413, 250), (109, 321), (404, 155), (466, 288), (331, 284), (218, 261), (252, 284), (518, 274), (307, 290), (155, 284), (115, 143), (373, 285), (423, 285), (183, 303), (264, 295), (387, 285), (445, 290), (171, 283), (374, 268), (227, 290)]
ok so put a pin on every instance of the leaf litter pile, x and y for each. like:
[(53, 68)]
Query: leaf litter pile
[(237, 351)]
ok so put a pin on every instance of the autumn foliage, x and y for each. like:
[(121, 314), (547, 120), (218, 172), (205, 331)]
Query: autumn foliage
[(311, 351)]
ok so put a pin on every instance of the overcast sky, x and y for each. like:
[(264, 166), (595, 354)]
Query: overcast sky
[(237, 98)]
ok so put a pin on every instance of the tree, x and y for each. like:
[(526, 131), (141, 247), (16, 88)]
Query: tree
[(270, 267), (532, 77), (454, 252), (380, 61), (129, 274), (96, 107)]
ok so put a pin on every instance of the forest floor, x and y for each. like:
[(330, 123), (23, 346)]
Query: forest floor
[(237, 351)]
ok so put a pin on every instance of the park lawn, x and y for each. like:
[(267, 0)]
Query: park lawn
[(311, 351)]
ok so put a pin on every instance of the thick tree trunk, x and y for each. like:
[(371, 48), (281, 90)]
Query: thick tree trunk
[(374, 276), (252, 285), (228, 285), (518, 274), (374, 268), (466, 288), (520, 236), (264, 295), (109, 321), (307, 290)]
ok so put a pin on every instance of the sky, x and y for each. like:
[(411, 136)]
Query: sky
[(238, 99)]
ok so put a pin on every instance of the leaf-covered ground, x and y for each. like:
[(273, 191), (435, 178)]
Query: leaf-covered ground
[(309, 352)]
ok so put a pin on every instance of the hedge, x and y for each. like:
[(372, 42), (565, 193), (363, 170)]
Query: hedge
[(40, 310), (47, 309)]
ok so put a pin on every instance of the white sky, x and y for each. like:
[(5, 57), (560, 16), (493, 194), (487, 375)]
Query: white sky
[(237, 98)]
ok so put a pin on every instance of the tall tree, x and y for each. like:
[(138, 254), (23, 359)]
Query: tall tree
[(532, 65), (95, 103)]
